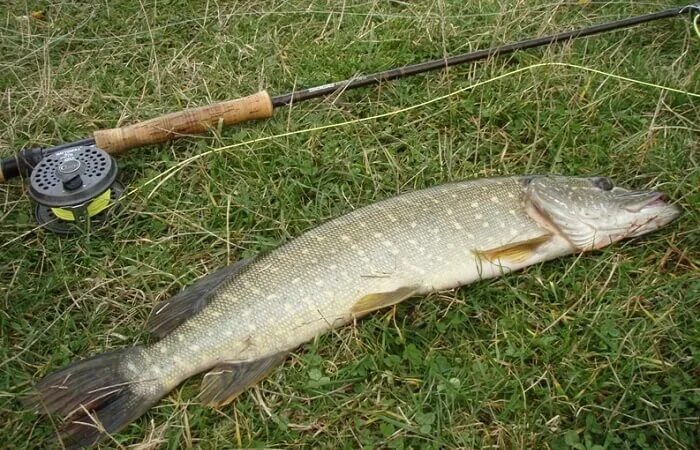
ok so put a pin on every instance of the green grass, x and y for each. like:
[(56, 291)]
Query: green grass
[(599, 351)]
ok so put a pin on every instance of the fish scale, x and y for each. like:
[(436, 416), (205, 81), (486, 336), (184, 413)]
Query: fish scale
[(426, 238), (241, 321)]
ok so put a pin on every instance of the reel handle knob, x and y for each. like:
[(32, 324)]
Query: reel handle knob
[(69, 171)]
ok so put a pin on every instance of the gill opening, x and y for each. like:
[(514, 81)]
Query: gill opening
[(543, 219)]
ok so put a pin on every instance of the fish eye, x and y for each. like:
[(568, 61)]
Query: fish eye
[(603, 183)]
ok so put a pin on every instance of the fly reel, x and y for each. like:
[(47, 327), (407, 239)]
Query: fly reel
[(74, 189)]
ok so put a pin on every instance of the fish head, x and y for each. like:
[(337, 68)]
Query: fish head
[(592, 212)]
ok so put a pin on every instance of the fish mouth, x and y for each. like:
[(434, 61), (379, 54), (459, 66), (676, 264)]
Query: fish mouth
[(656, 210), (659, 203), (660, 199), (644, 200)]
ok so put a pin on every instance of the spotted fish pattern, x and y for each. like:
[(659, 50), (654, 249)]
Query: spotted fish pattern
[(428, 239)]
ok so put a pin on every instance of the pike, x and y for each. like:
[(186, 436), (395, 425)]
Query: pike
[(241, 322)]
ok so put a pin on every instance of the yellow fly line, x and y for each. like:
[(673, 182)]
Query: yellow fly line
[(99, 204), (165, 175)]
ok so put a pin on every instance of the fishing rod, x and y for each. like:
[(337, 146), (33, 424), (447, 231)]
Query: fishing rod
[(76, 181)]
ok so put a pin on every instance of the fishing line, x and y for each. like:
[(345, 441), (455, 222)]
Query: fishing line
[(100, 204), (168, 173), (179, 166)]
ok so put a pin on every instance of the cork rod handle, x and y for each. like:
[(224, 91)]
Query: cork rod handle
[(183, 123)]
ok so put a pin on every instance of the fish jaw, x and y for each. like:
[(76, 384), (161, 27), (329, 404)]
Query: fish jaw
[(657, 213)]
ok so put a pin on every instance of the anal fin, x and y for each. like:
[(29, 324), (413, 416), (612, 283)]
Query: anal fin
[(373, 302), (516, 252), (229, 379), (171, 313)]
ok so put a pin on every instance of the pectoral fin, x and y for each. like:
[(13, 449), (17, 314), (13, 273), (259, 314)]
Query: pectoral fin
[(171, 313), (227, 380), (516, 252), (372, 302)]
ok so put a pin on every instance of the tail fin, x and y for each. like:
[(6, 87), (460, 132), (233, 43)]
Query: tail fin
[(95, 397)]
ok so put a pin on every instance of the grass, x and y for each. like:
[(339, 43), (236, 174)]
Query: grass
[(590, 352)]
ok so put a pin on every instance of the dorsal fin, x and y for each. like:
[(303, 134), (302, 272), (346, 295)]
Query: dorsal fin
[(171, 313), (227, 380), (515, 252)]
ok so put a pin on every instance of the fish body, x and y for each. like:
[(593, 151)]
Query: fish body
[(241, 322), (426, 240)]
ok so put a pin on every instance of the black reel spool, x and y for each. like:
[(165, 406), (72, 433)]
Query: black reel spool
[(74, 189)]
